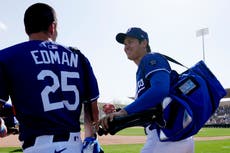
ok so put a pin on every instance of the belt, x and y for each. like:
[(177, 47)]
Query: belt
[(56, 138)]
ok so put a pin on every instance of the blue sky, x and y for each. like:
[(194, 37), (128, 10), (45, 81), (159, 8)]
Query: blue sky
[(92, 26)]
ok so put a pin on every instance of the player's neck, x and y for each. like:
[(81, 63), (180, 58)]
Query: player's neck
[(138, 59), (40, 36)]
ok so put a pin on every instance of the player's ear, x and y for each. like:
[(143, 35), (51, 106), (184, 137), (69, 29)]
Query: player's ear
[(145, 42), (51, 28), (53, 31)]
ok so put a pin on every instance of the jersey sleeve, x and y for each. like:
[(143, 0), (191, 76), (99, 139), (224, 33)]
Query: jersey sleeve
[(90, 81), (154, 95), (153, 80), (91, 92), (152, 63)]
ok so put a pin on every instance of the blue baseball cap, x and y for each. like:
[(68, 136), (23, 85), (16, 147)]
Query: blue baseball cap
[(132, 32)]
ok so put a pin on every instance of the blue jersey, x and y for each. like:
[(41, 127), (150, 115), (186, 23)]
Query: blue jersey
[(152, 80), (47, 84), (151, 63)]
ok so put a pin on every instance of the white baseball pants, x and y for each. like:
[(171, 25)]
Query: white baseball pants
[(45, 144), (154, 145)]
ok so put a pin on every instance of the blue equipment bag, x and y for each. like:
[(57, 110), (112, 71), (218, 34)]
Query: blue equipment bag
[(194, 96)]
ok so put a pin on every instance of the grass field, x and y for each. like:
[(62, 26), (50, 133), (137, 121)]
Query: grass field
[(220, 146), (216, 146), (204, 132), (212, 132)]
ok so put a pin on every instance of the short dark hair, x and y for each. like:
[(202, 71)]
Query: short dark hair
[(38, 17), (148, 49)]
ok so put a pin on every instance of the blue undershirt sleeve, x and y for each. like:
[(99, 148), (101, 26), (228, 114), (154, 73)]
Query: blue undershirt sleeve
[(160, 83)]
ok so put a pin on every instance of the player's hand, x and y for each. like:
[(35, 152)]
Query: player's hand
[(91, 145), (104, 122), (3, 128)]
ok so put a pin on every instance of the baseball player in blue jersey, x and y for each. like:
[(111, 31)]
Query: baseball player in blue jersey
[(48, 83), (154, 68)]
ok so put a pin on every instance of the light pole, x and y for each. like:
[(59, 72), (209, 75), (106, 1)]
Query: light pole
[(202, 32)]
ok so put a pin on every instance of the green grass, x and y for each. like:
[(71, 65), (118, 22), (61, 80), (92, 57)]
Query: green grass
[(123, 148), (217, 146), (134, 131), (220, 146), (204, 132), (212, 132), (11, 150)]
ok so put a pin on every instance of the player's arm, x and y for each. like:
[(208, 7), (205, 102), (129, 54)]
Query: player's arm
[(91, 116), (154, 95), (160, 84), (91, 143)]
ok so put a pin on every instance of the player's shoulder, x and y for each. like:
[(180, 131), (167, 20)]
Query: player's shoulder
[(75, 50), (79, 52), (154, 56), (10, 51), (154, 61), (13, 46)]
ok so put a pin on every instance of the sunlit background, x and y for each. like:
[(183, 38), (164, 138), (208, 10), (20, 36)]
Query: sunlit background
[(91, 25)]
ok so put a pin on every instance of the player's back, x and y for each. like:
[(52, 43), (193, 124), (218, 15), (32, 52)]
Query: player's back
[(45, 81)]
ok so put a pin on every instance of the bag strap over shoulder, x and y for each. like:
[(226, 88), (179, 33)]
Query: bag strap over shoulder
[(174, 61)]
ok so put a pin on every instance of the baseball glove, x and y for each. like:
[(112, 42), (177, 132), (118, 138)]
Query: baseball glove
[(143, 118)]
